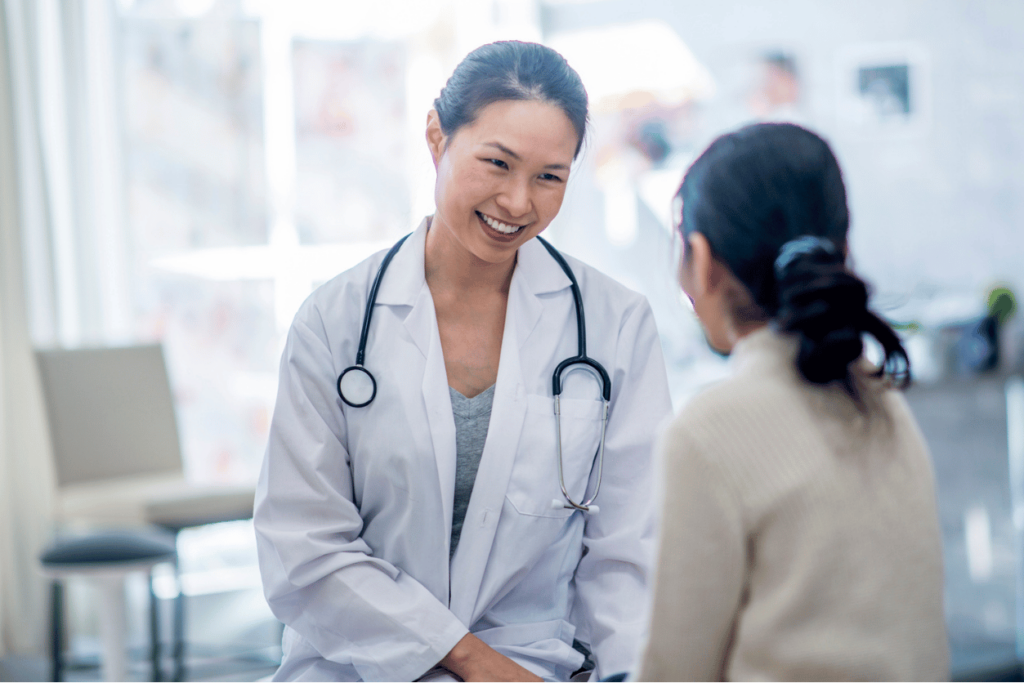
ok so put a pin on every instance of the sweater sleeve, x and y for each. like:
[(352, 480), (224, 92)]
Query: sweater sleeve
[(699, 574)]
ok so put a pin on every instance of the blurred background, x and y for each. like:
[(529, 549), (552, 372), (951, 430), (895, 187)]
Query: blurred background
[(187, 171)]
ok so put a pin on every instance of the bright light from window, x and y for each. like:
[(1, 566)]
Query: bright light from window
[(647, 58)]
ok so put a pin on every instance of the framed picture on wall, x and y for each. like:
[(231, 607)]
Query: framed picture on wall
[(883, 88)]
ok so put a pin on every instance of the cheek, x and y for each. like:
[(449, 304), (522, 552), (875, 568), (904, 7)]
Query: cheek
[(711, 321), (453, 181), (683, 278), (442, 182), (466, 186), (703, 312), (550, 201), (704, 307)]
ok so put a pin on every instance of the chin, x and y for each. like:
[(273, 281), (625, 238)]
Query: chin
[(723, 350)]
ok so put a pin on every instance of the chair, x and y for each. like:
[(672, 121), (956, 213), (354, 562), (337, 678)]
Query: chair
[(105, 559), (116, 450)]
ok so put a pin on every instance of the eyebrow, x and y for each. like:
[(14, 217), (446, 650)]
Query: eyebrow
[(506, 150)]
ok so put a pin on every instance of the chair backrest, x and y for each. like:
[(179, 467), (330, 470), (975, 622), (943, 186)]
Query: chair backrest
[(110, 412)]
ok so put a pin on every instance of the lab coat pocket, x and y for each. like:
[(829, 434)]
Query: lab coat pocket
[(534, 483)]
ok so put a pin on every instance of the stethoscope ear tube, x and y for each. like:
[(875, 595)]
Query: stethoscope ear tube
[(606, 382), (585, 506)]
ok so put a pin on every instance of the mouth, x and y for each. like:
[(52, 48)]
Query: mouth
[(504, 229)]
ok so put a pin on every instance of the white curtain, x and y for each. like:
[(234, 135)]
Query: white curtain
[(26, 480), (63, 264)]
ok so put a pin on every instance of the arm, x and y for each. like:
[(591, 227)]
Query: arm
[(319, 576), (473, 660), (612, 579), (700, 568)]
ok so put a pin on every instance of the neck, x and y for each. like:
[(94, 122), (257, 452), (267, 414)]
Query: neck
[(452, 267)]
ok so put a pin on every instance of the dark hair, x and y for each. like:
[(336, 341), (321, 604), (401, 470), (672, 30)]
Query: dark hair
[(782, 61), (511, 70), (769, 198)]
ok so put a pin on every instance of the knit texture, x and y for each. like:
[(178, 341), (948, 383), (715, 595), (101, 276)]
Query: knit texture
[(799, 536)]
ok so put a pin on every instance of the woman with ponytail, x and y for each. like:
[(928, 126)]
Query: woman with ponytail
[(799, 536)]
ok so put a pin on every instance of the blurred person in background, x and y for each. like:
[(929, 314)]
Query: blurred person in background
[(439, 524), (799, 535), (776, 96)]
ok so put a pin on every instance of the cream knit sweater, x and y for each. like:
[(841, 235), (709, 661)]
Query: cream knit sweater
[(799, 536)]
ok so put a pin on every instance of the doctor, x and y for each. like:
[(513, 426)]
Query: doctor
[(416, 535)]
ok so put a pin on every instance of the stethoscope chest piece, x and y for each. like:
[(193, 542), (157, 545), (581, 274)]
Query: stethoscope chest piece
[(356, 386)]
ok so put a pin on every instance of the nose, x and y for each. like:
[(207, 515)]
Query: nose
[(516, 198)]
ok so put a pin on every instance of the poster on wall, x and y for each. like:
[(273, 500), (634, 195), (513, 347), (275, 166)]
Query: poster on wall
[(883, 89)]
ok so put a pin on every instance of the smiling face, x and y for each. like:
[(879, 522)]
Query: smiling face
[(501, 178)]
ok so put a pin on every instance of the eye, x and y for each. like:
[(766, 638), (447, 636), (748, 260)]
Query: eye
[(498, 162), (550, 176)]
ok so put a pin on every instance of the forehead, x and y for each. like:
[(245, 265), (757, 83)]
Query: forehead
[(534, 130)]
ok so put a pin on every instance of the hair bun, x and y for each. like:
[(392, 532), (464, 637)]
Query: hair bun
[(828, 359), (825, 304)]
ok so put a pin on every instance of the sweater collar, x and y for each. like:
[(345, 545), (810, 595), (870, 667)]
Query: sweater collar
[(764, 347)]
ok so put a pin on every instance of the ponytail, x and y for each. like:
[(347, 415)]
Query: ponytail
[(826, 306)]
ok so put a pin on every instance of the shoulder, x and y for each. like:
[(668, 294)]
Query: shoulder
[(741, 424), (342, 296), (738, 400)]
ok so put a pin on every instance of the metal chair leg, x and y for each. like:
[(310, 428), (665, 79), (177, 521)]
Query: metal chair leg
[(57, 629), (154, 631), (179, 628)]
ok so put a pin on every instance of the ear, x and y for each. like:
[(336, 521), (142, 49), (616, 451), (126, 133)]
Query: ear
[(436, 139), (706, 275)]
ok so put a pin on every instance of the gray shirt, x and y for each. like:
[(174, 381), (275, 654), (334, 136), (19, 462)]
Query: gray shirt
[(472, 416)]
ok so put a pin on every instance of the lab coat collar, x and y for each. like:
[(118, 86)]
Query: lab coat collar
[(406, 276), (538, 271), (405, 284)]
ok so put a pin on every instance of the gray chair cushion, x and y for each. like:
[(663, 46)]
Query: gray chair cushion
[(110, 547)]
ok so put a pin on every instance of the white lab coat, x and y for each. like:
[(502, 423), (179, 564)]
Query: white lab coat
[(354, 505)]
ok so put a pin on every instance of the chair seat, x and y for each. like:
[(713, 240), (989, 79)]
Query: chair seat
[(103, 548), (168, 501), (199, 505)]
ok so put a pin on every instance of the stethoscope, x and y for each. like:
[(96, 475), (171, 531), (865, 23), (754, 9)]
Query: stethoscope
[(357, 386)]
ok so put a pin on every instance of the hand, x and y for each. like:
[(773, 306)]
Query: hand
[(473, 660)]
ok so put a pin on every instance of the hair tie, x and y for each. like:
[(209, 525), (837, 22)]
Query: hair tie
[(799, 247)]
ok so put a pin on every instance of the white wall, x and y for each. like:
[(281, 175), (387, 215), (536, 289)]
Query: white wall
[(941, 212)]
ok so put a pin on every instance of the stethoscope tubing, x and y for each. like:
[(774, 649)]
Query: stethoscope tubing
[(580, 359), (365, 333), (581, 332), (372, 298), (587, 505)]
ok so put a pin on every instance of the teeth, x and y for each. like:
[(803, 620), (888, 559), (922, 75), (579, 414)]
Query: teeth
[(498, 225)]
